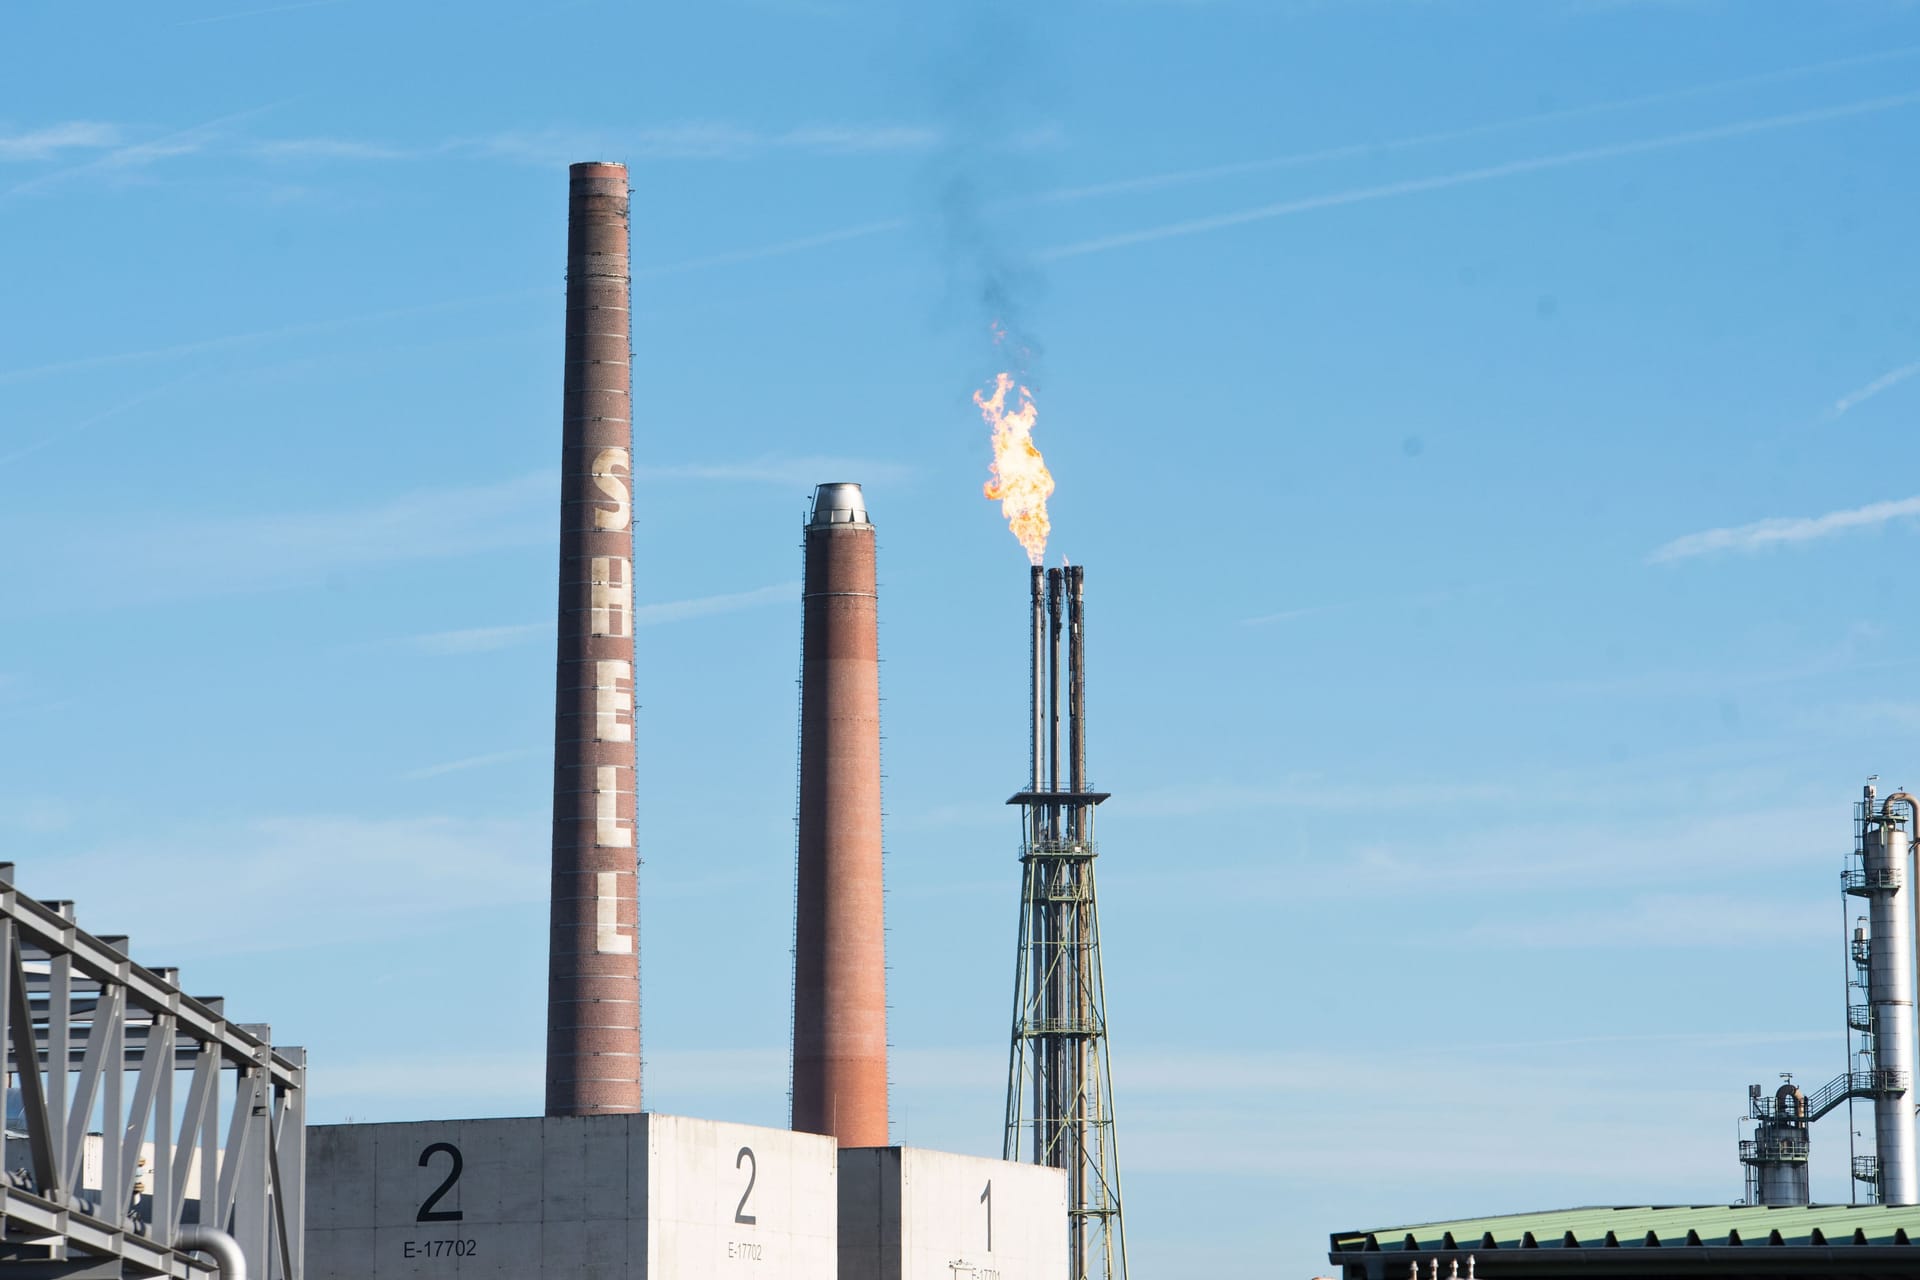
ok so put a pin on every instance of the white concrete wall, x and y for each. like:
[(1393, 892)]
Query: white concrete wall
[(590, 1198), (911, 1214)]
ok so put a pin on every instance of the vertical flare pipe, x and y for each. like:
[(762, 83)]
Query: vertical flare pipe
[(1078, 1106), (1056, 618), (840, 974), (593, 972), (1037, 832), (1039, 626), (1076, 694)]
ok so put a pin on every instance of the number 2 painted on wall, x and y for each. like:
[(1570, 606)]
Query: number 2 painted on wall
[(427, 1212), (740, 1213)]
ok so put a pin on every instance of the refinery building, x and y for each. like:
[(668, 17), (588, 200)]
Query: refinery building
[(151, 1134)]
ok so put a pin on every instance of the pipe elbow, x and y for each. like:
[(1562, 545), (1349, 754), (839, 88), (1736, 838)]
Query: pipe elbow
[(218, 1245)]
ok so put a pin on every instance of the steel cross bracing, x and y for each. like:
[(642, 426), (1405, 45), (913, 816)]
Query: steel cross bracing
[(1059, 1079), (119, 1138), (1059, 1083)]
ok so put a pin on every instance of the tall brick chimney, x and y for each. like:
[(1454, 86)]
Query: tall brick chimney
[(593, 967), (840, 962)]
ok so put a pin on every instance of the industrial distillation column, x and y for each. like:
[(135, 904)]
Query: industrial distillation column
[(593, 964), (1776, 1156), (1887, 841), (1059, 1081), (839, 958)]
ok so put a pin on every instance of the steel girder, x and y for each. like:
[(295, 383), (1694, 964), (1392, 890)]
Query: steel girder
[(119, 1136)]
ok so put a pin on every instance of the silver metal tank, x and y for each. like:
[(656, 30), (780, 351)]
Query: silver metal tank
[(1890, 992)]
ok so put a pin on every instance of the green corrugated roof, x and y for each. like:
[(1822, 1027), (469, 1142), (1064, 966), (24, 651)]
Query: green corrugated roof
[(1641, 1226)]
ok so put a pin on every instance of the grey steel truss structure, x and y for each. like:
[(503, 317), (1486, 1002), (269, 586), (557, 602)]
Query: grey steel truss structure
[(1059, 1080), (115, 1139)]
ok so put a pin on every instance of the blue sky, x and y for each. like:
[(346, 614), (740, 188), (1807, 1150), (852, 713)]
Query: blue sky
[(1482, 424)]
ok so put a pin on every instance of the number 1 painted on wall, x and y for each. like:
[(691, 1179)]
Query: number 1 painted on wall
[(986, 1198)]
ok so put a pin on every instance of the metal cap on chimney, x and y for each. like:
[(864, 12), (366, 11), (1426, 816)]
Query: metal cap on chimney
[(839, 503)]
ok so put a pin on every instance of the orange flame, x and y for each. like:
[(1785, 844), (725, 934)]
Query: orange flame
[(1021, 483)]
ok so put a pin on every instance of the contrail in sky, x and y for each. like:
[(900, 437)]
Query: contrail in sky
[(174, 143), (1782, 531), (1196, 226), (264, 335), (1465, 177), (1150, 182), (1872, 389), (7, 459), (457, 766), (255, 13), (781, 249)]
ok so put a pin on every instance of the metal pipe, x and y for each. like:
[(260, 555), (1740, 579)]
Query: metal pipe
[(1887, 861), (218, 1245), (1055, 617), (1075, 912), (1041, 916), (1911, 1104), (1039, 625), (1076, 695)]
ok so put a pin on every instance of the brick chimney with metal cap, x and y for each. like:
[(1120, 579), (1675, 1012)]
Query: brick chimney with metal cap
[(840, 962)]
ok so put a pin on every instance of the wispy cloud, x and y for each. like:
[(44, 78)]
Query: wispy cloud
[(700, 140), (225, 341), (475, 639), (428, 868), (503, 1081), (327, 149), (462, 765), (1718, 921), (468, 640), (654, 615), (256, 13), (1370, 603), (1181, 177), (122, 159), (778, 249), (1614, 856), (774, 469), (1785, 531), (1860, 395), (1465, 177), (92, 420), (172, 556), (1513, 1118), (45, 143), (1308, 792)]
